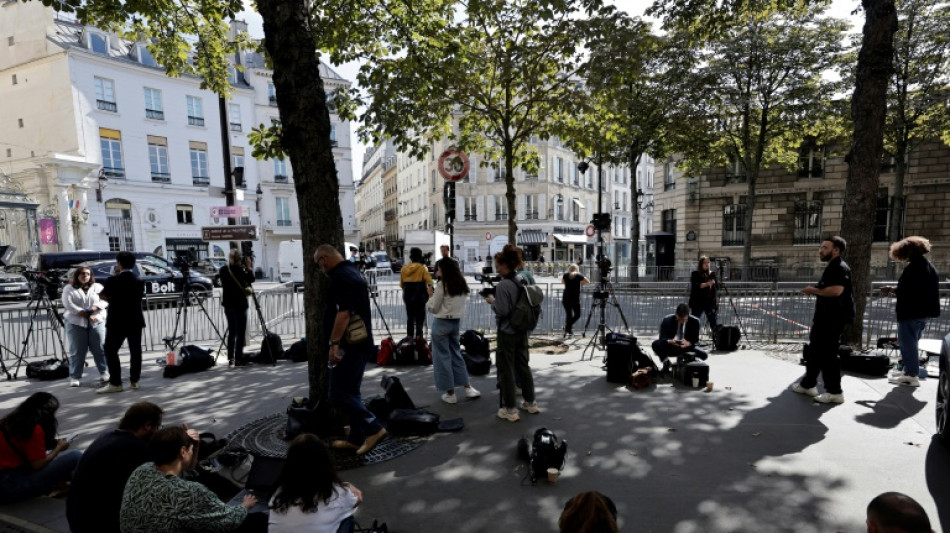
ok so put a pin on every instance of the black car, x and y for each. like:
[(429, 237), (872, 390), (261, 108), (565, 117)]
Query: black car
[(160, 282), (943, 393), (211, 268)]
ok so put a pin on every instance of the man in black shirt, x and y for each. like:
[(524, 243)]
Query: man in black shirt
[(834, 307), (124, 293), (95, 497)]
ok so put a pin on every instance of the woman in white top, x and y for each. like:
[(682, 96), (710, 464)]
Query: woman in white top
[(447, 302), (85, 324), (310, 497)]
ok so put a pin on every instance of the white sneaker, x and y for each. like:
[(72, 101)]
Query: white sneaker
[(103, 378), (74, 383), (109, 388), (910, 381), (802, 390), (829, 398), (470, 392), (510, 415), (449, 398), (531, 407)]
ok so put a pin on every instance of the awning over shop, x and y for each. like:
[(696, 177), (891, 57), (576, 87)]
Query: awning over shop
[(531, 236), (570, 239)]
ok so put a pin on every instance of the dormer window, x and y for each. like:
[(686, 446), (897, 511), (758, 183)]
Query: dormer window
[(98, 43), (145, 57)]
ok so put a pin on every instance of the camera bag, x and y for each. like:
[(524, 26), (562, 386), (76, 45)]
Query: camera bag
[(47, 369), (726, 338), (685, 372), (272, 348), (475, 352), (619, 361)]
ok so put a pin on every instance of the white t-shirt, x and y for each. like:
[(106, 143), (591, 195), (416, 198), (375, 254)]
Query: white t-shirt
[(326, 519)]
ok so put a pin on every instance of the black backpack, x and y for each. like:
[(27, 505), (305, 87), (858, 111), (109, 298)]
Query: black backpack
[(475, 353), (298, 351), (47, 369), (272, 348), (547, 451)]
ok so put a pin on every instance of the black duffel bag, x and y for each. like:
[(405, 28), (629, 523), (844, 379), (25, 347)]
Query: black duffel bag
[(48, 369)]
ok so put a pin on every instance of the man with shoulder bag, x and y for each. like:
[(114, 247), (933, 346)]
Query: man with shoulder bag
[(346, 324), (236, 279)]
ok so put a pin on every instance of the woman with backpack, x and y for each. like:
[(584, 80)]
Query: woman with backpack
[(447, 303), (512, 350)]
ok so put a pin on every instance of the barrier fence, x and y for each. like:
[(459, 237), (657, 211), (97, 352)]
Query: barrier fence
[(767, 313)]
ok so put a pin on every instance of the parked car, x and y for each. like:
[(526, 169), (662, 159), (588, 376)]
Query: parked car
[(211, 267), (13, 285), (396, 264), (943, 393), (64, 260), (160, 282), (382, 261)]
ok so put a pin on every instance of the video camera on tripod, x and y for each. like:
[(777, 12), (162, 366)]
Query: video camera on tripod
[(487, 277), (47, 282)]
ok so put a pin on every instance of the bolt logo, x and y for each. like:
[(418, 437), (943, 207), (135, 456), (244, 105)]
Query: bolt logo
[(162, 287)]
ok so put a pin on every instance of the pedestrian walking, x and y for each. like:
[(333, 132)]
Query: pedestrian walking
[(918, 300), (123, 291), (447, 304), (85, 316)]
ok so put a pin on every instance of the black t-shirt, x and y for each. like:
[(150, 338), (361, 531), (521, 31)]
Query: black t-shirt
[(839, 308), (95, 496), (572, 286), (347, 292)]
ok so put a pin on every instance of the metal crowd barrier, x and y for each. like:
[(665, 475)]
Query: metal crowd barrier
[(769, 313)]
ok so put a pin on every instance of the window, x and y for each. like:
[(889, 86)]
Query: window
[(153, 104), (234, 114), (11, 41), (882, 216), (185, 214), (146, 57), (558, 169), (576, 209), (557, 208), (807, 222), (196, 115), (14, 79), (500, 171), (98, 43), (199, 163), (735, 170), (577, 180), (530, 207), (501, 208), (19, 122), (733, 225), (158, 159), (810, 161), (669, 221), (105, 95), (110, 142), (237, 162), (669, 181), (471, 209), (283, 211), (280, 170), (271, 94)]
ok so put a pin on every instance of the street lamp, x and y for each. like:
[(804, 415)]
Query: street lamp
[(102, 181)]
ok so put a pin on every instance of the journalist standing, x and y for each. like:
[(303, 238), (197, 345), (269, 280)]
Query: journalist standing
[(702, 293), (123, 291), (512, 350), (834, 308), (85, 315), (415, 281), (447, 303), (918, 300), (347, 295), (571, 298), (236, 279)]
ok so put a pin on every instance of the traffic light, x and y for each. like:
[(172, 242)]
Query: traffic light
[(601, 221), (448, 198)]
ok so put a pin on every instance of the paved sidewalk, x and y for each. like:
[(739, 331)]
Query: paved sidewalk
[(748, 456)]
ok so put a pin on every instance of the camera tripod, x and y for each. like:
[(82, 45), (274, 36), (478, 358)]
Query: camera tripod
[(373, 289), (725, 290), (39, 301), (602, 294), (187, 298)]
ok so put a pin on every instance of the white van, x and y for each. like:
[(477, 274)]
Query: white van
[(290, 260)]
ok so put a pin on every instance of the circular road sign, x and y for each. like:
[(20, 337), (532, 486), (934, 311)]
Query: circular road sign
[(590, 230), (453, 164), (487, 235)]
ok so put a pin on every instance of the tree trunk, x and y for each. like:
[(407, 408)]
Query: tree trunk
[(306, 136), (753, 174), (868, 110), (894, 229), (510, 191), (635, 156)]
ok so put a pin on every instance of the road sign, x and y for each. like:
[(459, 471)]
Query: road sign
[(590, 230), (487, 235), (230, 211), (453, 164), (229, 233)]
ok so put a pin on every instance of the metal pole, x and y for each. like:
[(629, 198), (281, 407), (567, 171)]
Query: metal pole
[(226, 156)]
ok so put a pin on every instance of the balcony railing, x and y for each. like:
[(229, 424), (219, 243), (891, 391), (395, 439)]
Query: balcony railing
[(281, 222), (113, 172), (196, 121), (105, 105), (272, 100), (733, 240), (201, 181), (470, 217), (155, 114), (501, 216), (235, 126), (531, 215), (280, 178), (161, 177)]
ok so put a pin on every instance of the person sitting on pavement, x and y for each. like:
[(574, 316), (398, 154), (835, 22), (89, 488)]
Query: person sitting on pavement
[(157, 500), (893, 512), (26, 469), (589, 512), (105, 467), (310, 497), (679, 334)]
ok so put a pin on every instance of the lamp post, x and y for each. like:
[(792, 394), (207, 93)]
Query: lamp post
[(102, 181)]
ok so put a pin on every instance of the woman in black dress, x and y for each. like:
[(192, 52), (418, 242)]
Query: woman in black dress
[(571, 299)]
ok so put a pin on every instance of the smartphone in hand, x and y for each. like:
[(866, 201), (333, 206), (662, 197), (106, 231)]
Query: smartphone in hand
[(72, 437)]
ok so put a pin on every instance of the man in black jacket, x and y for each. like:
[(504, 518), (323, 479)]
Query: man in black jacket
[(124, 292), (918, 300), (679, 334), (236, 279)]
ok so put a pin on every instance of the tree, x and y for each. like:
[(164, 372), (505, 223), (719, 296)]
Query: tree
[(500, 74), (761, 83)]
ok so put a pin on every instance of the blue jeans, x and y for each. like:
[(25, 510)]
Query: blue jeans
[(345, 381), (448, 367), (19, 484), (908, 333), (82, 340)]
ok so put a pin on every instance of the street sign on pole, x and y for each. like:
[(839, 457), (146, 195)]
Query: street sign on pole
[(229, 233), (230, 211), (453, 164)]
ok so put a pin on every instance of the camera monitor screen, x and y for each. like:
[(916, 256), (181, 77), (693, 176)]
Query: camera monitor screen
[(6, 254)]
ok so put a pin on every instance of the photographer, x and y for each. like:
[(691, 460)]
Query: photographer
[(702, 292), (512, 351), (236, 279)]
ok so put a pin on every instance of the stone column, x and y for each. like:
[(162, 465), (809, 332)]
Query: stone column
[(85, 228), (67, 237)]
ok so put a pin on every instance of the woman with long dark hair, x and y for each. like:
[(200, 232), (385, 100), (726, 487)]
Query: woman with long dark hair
[(447, 303), (85, 315), (589, 512), (310, 497), (26, 470)]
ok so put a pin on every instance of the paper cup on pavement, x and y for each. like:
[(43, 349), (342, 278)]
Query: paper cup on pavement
[(709, 386), (553, 474)]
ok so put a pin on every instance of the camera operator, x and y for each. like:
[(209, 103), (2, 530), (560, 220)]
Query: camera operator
[(571, 297), (702, 292), (236, 279), (512, 351)]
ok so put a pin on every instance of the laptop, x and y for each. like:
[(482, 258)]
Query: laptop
[(261, 482)]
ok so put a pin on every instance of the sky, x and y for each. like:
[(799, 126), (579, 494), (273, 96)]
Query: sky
[(348, 71)]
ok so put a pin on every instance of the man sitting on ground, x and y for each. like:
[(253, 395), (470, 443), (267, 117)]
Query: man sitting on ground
[(100, 476), (679, 334), (157, 500), (893, 512)]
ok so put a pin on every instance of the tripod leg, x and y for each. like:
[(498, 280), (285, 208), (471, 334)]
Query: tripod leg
[(590, 313), (26, 341)]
